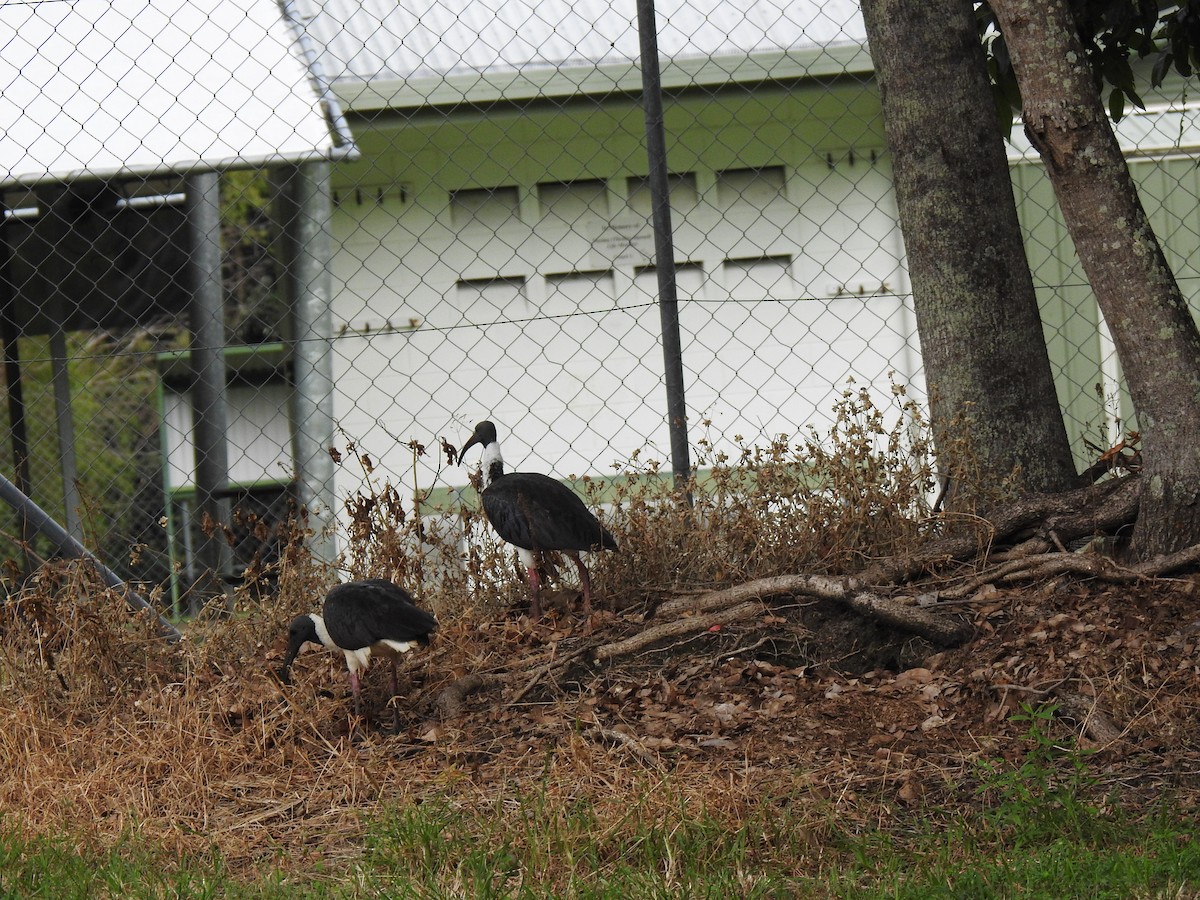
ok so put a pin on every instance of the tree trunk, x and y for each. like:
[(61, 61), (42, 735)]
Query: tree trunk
[(994, 407), (1155, 335)]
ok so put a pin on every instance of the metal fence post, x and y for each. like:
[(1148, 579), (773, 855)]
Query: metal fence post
[(303, 208), (211, 423), (65, 423), (60, 213), (15, 389), (664, 244), (65, 544)]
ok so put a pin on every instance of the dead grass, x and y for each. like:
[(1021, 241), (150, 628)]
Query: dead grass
[(816, 503), (108, 732), (199, 748)]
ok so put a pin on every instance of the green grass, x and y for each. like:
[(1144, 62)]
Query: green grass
[(433, 850), (1041, 827), (533, 848), (1118, 860), (43, 867)]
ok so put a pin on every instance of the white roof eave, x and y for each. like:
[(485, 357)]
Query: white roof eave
[(605, 78), (1160, 131)]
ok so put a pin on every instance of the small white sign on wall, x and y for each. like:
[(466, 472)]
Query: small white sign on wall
[(623, 244)]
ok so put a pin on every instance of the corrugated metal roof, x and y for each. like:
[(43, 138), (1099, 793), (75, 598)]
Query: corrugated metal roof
[(102, 89), (371, 40)]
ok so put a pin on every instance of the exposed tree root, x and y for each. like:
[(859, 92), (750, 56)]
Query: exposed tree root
[(1040, 568), (1033, 524), (450, 701), (1096, 508), (1172, 562)]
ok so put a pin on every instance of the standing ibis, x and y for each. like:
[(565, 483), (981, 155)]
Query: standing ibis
[(536, 514), (360, 618)]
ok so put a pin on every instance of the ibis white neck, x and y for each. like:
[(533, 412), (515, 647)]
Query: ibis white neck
[(493, 464), (323, 632)]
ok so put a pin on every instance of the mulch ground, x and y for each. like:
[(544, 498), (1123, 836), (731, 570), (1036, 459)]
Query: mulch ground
[(105, 731)]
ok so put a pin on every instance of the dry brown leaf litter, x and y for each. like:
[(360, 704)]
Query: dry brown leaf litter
[(106, 731)]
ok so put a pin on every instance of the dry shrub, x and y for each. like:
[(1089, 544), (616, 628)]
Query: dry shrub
[(71, 643), (449, 558), (821, 503), (106, 730)]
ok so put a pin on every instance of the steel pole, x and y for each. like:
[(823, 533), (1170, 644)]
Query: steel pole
[(664, 244), (40, 520), (210, 425), (303, 209)]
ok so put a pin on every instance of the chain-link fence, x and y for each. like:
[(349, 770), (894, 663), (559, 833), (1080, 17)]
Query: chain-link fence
[(484, 249)]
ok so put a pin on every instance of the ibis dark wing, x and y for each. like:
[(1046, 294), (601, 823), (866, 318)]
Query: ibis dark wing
[(359, 613), (536, 512)]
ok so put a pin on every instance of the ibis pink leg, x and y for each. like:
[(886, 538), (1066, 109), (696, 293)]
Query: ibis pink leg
[(585, 582), (535, 590), (395, 692)]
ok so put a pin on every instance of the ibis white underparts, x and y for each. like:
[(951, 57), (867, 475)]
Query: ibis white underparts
[(536, 514), (359, 619)]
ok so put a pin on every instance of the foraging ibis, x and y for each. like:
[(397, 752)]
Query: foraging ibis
[(361, 618), (536, 514)]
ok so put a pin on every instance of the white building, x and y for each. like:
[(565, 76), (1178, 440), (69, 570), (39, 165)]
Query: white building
[(493, 257)]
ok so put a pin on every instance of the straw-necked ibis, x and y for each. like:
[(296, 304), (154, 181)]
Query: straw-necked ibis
[(537, 515), (359, 619)]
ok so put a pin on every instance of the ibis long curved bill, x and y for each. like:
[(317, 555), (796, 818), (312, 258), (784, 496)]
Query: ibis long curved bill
[(360, 619), (536, 514)]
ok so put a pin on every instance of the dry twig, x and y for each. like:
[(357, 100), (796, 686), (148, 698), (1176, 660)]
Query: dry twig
[(629, 742)]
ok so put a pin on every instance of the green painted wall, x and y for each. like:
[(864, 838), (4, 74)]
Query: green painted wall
[(1087, 373), (433, 152), (589, 139)]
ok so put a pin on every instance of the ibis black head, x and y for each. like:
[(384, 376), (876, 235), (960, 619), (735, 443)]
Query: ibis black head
[(484, 434), (302, 630)]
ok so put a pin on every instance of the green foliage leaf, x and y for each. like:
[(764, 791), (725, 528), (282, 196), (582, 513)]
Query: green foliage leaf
[(1116, 104), (1161, 65), (1117, 71), (1111, 31)]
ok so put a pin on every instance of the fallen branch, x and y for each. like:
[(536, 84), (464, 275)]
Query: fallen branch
[(848, 592), (559, 664), (690, 625), (1083, 709), (763, 641), (449, 702), (820, 586), (1086, 711), (630, 743)]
